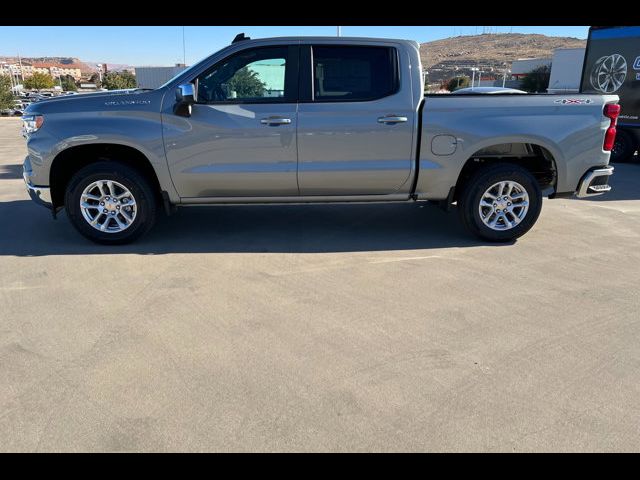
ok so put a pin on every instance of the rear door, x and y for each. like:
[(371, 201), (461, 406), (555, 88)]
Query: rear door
[(355, 120)]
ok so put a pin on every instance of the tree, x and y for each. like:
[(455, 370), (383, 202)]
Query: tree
[(38, 81), (458, 82), (6, 97), (68, 83), (245, 83), (95, 79), (537, 80), (118, 80)]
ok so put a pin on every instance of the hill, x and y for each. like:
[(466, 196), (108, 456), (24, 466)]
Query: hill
[(72, 62), (488, 51)]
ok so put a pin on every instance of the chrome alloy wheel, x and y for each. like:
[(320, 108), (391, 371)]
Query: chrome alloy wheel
[(608, 73), (503, 205), (108, 206)]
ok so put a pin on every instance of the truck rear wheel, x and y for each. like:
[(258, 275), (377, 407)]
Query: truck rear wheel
[(500, 202), (110, 203)]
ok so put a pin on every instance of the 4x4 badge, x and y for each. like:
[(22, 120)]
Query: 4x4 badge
[(573, 101)]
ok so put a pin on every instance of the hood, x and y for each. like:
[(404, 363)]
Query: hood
[(95, 101)]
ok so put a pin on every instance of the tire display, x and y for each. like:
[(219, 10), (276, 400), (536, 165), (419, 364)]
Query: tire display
[(608, 73)]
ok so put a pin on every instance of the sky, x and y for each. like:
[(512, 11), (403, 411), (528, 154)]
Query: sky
[(156, 45)]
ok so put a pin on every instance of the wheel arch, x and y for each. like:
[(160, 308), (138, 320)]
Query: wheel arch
[(67, 162), (536, 157)]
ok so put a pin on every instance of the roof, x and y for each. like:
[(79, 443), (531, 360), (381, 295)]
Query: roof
[(307, 39)]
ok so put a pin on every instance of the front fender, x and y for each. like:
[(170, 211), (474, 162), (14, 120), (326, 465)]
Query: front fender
[(139, 130)]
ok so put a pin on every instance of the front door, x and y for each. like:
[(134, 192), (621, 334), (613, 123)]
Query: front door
[(240, 139)]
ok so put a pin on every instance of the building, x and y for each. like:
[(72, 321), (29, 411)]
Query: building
[(271, 72), (87, 87), (26, 69), (566, 70), (153, 77), (17, 70), (522, 66), (57, 70)]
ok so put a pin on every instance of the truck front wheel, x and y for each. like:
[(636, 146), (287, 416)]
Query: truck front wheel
[(500, 202), (110, 203)]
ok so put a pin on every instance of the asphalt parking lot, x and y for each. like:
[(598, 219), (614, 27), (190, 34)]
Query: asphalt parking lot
[(357, 327)]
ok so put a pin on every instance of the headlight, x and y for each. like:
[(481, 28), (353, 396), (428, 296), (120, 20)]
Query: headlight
[(31, 123)]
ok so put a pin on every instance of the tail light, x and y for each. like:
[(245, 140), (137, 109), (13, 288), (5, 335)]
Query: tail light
[(611, 111)]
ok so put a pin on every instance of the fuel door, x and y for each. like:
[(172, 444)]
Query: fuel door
[(443, 145)]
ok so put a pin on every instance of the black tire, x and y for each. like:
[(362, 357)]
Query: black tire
[(623, 148), (480, 182), (136, 183)]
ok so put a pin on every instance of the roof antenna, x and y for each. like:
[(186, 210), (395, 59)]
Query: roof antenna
[(239, 38)]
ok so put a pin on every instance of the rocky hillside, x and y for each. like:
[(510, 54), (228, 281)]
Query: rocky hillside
[(487, 51), (72, 62)]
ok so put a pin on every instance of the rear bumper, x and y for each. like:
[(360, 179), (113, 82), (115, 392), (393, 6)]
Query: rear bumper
[(595, 182), (40, 195)]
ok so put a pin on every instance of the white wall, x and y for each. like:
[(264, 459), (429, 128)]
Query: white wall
[(566, 70)]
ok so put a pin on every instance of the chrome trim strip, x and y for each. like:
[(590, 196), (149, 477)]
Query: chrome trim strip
[(397, 197)]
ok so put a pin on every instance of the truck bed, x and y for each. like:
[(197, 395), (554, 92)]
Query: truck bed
[(567, 130)]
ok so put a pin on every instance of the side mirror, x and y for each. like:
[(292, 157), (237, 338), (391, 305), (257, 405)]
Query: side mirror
[(185, 97)]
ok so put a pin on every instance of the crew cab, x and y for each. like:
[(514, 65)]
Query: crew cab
[(313, 119)]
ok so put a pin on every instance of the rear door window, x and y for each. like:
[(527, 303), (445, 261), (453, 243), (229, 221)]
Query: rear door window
[(343, 73)]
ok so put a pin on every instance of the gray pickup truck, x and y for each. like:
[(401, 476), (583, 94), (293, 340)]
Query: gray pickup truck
[(312, 119)]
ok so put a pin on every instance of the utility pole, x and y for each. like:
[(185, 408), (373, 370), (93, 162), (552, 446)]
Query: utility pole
[(504, 78), (473, 78), (479, 77), (21, 71), (338, 31), (11, 78), (184, 49)]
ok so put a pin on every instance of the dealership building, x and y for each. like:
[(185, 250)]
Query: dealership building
[(153, 77), (566, 69)]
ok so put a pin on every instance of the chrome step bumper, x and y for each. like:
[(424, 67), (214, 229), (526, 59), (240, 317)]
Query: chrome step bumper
[(595, 182)]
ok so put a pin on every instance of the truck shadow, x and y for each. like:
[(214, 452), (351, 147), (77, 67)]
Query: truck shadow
[(263, 228)]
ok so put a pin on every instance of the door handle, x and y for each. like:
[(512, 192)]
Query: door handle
[(392, 119), (275, 121)]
